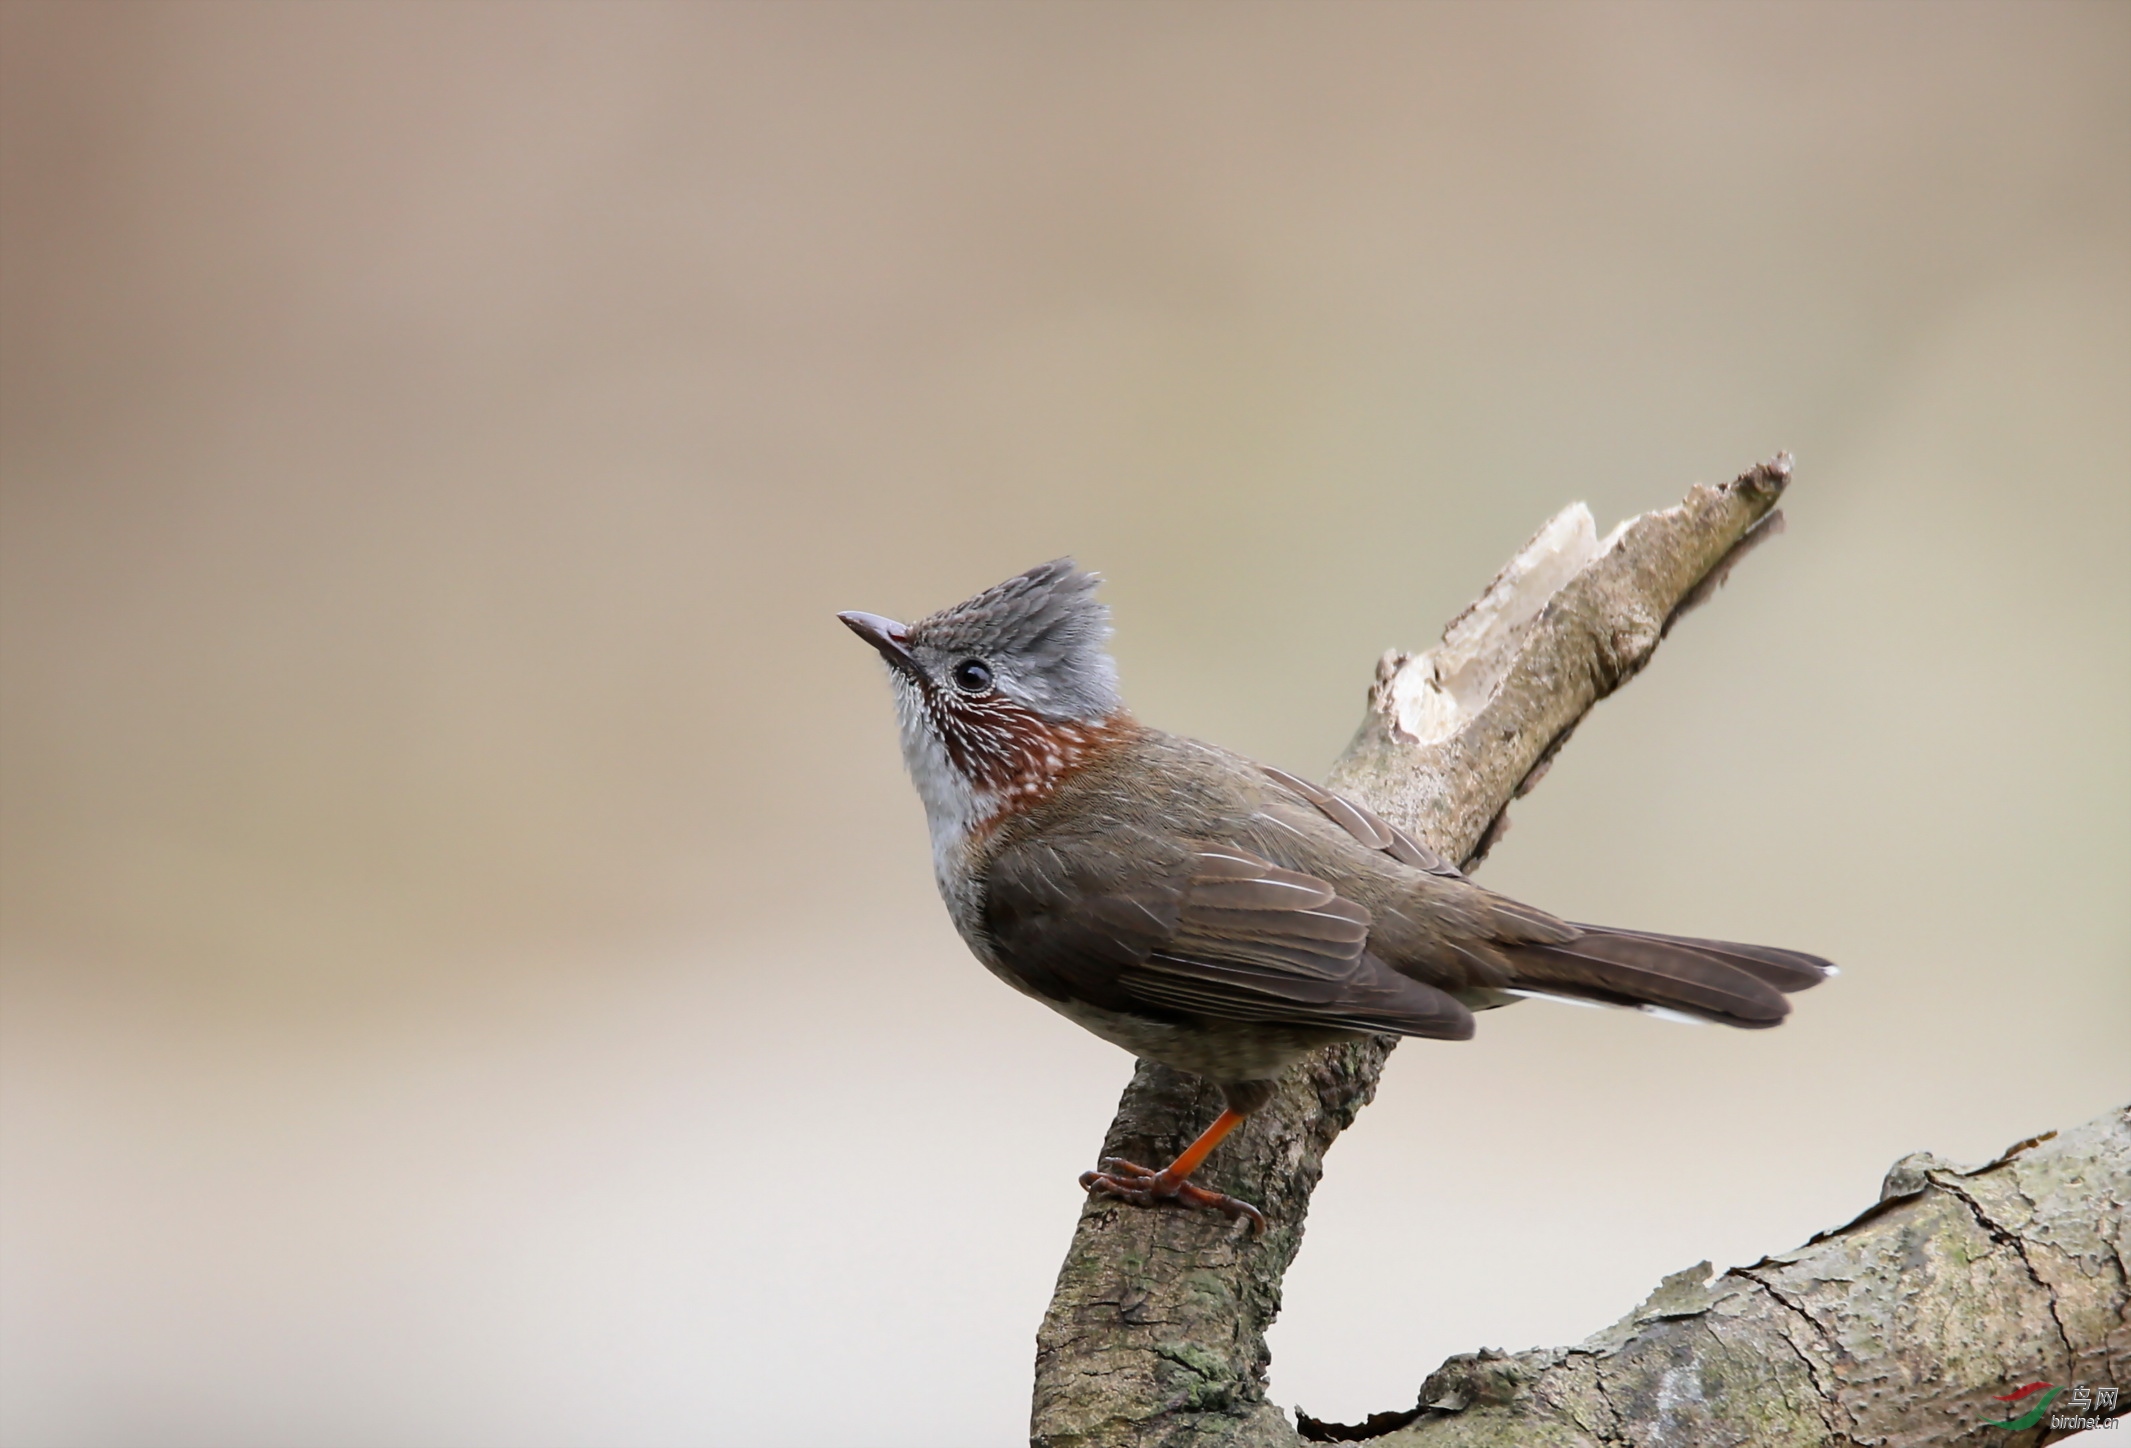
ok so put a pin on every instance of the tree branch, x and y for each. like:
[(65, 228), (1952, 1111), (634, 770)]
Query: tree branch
[(1155, 1335), (1902, 1328)]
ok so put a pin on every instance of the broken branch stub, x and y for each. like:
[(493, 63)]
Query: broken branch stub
[(1452, 735), (1155, 1334)]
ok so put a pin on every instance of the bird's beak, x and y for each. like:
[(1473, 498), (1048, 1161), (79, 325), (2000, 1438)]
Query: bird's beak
[(885, 634)]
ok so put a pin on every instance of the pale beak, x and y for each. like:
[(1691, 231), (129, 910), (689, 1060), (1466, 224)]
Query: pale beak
[(885, 634)]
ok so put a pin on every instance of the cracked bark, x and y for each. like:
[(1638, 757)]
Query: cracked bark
[(1898, 1329), (1155, 1335)]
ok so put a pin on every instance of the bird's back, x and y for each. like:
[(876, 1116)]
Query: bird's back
[(1428, 923)]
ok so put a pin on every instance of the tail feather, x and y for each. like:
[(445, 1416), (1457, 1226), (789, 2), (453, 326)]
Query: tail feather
[(1739, 985), (1787, 970)]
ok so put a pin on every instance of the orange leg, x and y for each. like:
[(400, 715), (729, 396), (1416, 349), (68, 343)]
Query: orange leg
[(1144, 1188)]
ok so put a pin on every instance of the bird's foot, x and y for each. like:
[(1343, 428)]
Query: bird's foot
[(1142, 1187)]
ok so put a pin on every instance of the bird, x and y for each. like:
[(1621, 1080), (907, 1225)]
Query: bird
[(1216, 915)]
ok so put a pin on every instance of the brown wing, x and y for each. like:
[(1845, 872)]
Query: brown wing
[(1463, 938), (1135, 921), (1366, 826)]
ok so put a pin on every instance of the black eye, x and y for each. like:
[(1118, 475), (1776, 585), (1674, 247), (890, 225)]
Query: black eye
[(971, 677)]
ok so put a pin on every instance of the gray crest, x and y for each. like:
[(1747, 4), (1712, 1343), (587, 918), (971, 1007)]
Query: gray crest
[(1041, 633)]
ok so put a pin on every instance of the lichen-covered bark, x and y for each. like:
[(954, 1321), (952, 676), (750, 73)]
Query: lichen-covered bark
[(1156, 1333), (1898, 1329)]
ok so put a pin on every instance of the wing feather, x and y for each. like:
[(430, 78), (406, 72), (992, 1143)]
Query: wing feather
[(1366, 826), (1203, 929)]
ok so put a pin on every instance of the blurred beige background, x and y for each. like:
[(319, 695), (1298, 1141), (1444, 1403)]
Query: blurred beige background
[(472, 975)]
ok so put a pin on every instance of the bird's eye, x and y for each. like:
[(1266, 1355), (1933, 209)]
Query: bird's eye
[(971, 677)]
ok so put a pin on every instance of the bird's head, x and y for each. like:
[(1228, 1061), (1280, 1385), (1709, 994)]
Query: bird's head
[(1002, 693)]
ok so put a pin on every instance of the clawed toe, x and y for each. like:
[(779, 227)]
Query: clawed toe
[(1228, 1206), (1123, 1180), (1117, 1166), (1137, 1186)]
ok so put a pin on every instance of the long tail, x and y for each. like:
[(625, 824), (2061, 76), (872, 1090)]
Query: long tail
[(1715, 980)]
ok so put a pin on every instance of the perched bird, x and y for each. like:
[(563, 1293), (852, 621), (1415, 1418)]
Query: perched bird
[(1207, 912)]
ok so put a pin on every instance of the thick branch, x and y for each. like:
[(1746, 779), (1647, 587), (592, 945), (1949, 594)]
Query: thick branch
[(1901, 1328), (1155, 1335)]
